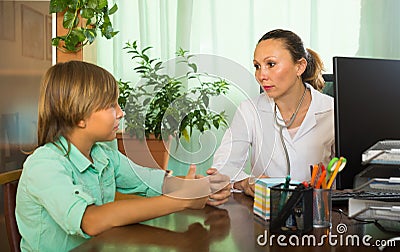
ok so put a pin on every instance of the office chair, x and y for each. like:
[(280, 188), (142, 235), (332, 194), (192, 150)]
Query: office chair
[(9, 182)]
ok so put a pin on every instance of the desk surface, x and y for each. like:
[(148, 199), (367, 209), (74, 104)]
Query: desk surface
[(231, 227)]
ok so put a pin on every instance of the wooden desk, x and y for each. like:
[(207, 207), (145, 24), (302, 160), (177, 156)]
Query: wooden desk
[(232, 227)]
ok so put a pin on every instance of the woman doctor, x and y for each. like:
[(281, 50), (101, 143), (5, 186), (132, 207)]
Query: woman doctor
[(286, 128)]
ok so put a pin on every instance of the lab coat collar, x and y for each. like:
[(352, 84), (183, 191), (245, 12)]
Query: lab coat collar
[(319, 106), (264, 103)]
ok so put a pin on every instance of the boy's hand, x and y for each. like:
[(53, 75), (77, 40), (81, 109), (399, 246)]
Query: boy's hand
[(189, 187), (191, 172)]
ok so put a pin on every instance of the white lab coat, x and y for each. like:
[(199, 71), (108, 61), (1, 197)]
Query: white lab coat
[(253, 133)]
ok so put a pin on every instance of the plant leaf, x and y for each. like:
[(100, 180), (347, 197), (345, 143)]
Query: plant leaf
[(185, 135), (206, 100), (90, 35), (216, 123), (69, 20), (57, 6), (102, 4), (113, 9), (146, 101), (193, 66), (55, 41), (87, 13), (92, 4), (78, 34)]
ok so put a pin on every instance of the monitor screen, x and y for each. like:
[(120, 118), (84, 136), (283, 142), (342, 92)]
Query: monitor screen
[(367, 109)]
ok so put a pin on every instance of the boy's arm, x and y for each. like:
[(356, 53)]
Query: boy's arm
[(97, 219)]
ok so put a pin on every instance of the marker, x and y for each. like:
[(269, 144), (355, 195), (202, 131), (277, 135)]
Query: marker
[(314, 174), (321, 179), (287, 181), (326, 176)]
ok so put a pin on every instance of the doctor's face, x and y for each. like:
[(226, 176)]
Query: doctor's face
[(275, 69)]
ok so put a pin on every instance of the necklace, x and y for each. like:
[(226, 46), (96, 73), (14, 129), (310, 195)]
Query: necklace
[(289, 122)]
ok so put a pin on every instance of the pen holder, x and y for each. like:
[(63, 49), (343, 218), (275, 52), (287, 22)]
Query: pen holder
[(291, 209), (322, 208)]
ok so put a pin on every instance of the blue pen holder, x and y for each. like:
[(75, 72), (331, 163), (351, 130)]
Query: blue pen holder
[(291, 209)]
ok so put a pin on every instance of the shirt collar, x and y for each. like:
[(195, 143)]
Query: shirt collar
[(100, 159)]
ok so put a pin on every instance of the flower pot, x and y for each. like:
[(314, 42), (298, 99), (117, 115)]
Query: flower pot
[(150, 152)]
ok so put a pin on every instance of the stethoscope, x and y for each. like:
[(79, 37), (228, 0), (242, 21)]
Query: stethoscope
[(281, 123)]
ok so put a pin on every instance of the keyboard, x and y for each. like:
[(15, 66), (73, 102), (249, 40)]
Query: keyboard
[(342, 196)]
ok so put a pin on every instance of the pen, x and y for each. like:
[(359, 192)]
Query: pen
[(294, 199), (284, 193), (321, 179), (311, 171), (323, 185)]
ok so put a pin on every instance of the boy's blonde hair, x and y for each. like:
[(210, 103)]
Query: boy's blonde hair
[(71, 92)]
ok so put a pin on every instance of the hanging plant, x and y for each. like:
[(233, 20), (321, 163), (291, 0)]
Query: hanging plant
[(83, 19)]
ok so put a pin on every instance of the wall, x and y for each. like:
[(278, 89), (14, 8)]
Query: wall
[(25, 54)]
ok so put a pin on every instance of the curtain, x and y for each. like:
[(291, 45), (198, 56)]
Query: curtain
[(229, 30), (379, 29)]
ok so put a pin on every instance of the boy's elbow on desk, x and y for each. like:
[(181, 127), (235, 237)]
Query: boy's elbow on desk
[(92, 223)]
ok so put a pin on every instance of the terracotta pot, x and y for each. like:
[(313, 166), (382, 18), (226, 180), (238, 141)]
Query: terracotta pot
[(151, 152)]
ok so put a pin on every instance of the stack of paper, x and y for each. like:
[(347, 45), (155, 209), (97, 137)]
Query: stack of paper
[(262, 196)]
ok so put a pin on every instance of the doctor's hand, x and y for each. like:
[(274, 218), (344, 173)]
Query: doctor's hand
[(220, 187), (247, 185)]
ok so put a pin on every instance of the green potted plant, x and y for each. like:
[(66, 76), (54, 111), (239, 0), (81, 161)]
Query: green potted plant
[(125, 91), (82, 19), (161, 107)]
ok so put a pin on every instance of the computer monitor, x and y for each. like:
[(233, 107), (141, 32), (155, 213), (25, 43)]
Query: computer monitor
[(367, 106)]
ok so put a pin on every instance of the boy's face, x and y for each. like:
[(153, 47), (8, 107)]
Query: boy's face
[(102, 125)]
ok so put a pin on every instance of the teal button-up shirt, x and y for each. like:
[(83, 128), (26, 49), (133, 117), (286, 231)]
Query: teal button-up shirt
[(55, 189)]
